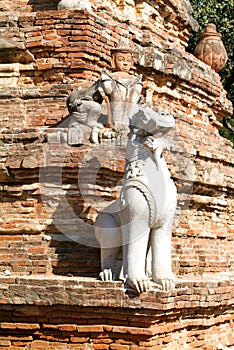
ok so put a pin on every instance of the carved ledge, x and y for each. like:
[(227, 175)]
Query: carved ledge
[(80, 291)]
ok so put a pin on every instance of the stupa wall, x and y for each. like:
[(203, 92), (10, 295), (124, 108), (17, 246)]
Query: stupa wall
[(58, 51)]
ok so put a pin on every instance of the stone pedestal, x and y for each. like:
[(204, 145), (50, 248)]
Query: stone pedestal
[(82, 313)]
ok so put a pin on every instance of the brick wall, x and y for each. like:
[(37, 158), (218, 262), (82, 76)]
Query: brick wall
[(71, 313), (47, 211)]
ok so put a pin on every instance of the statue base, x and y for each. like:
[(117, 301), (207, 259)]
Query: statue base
[(56, 312)]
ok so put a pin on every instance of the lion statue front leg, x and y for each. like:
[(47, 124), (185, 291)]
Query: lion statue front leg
[(108, 234), (160, 242), (135, 237)]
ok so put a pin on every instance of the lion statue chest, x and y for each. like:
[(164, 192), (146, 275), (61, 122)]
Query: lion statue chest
[(148, 173)]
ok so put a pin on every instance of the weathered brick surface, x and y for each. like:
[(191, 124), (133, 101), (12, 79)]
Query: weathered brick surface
[(202, 241), (48, 191), (87, 311)]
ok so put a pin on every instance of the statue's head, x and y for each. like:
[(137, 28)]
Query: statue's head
[(122, 61), (122, 56), (151, 122)]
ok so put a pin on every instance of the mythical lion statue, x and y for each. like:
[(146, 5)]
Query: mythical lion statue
[(140, 220)]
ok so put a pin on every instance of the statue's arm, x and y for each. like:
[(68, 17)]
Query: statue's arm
[(106, 83)]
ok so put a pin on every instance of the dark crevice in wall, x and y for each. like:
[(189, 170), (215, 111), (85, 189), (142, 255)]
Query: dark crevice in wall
[(41, 5)]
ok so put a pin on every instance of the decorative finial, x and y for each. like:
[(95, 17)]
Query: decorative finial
[(210, 48)]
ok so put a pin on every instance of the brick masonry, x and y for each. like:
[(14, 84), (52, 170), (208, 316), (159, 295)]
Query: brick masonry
[(57, 52), (78, 313)]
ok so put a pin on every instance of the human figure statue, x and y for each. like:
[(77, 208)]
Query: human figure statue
[(121, 90)]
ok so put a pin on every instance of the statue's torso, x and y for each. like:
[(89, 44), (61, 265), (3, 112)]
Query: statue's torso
[(124, 95)]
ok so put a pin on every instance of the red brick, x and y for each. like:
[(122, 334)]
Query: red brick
[(91, 328), (7, 325), (79, 339), (5, 343), (119, 347)]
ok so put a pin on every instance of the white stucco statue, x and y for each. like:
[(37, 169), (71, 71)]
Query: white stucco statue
[(138, 225), (74, 5), (140, 221)]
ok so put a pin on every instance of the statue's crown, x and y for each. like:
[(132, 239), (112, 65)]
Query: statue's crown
[(123, 46)]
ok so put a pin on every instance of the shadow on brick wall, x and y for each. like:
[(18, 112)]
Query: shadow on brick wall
[(69, 258), (41, 5), (73, 250), (72, 199)]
